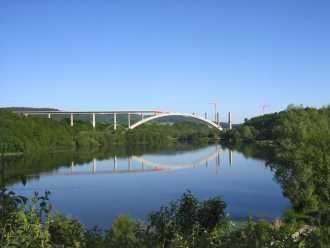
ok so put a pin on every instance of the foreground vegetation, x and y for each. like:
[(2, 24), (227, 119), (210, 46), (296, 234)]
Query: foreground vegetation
[(19, 134), (184, 223), (298, 141)]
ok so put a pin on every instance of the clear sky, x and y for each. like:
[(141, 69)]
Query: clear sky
[(172, 55)]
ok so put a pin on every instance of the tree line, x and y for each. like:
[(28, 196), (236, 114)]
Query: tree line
[(298, 144)]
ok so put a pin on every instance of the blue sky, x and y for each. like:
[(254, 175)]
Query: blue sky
[(172, 55)]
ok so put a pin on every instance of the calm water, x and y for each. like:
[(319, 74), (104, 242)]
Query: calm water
[(99, 190)]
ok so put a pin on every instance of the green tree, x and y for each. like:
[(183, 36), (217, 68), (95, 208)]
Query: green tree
[(125, 232)]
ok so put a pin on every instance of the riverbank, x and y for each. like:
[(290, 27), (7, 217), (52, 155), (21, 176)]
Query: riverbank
[(298, 140)]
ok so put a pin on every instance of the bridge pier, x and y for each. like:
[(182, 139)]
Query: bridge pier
[(71, 120), (93, 120), (229, 121), (129, 120), (114, 121), (49, 116)]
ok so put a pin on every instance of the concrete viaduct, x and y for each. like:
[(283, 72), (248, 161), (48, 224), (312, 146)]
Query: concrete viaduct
[(146, 116)]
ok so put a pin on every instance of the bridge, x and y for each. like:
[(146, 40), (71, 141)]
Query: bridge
[(145, 116)]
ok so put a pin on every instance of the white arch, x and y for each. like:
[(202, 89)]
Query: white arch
[(161, 115)]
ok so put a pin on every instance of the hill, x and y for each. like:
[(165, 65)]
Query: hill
[(28, 109)]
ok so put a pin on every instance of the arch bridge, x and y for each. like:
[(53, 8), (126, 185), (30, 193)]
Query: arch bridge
[(160, 115), (145, 116)]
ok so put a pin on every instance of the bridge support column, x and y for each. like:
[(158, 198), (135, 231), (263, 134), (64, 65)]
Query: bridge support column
[(71, 120), (129, 120), (218, 119), (229, 121), (205, 115), (142, 116), (93, 120), (49, 116), (114, 121)]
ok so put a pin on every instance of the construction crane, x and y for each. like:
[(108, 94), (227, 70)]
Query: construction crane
[(263, 107), (215, 111)]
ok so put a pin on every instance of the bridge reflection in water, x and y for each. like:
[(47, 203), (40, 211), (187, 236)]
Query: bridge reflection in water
[(146, 165)]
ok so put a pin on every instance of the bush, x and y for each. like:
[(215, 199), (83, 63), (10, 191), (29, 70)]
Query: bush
[(125, 232), (66, 232), (186, 219), (183, 223)]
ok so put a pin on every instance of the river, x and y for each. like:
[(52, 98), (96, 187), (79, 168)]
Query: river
[(97, 188)]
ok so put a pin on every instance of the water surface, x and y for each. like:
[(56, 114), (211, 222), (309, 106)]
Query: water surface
[(96, 190)]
